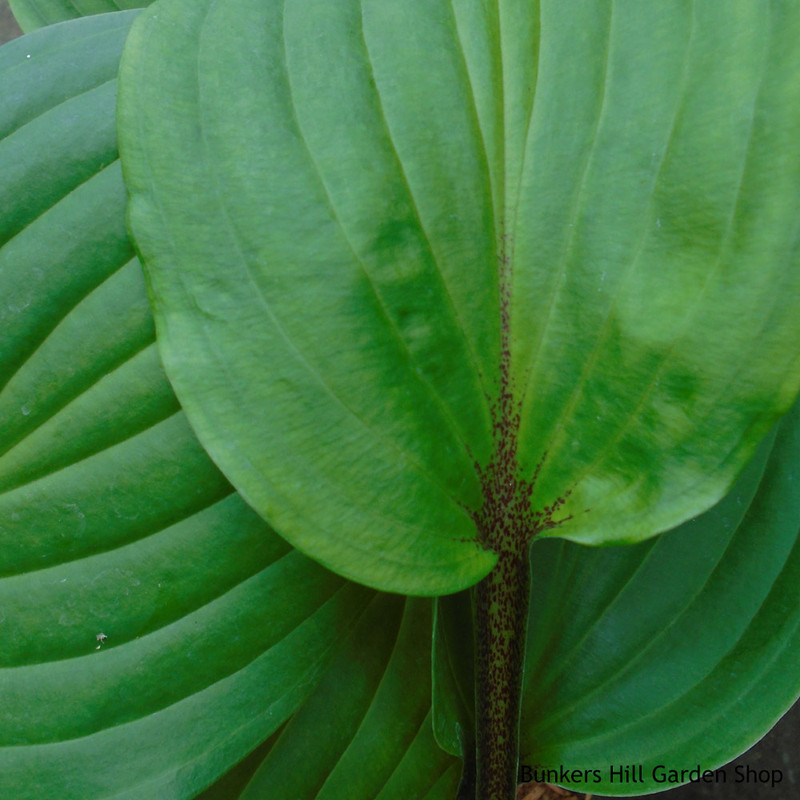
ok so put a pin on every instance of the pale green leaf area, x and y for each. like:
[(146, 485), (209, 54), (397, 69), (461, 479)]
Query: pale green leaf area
[(33, 14), (153, 629), (416, 263), (678, 651)]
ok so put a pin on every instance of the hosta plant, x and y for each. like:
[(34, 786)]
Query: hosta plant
[(445, 292)]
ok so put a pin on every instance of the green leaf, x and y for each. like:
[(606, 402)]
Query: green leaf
[(678, 651), (453, 658), (154, 629), (675, 652), (33, 14), (455, 274), (233, 782), (365, 732)]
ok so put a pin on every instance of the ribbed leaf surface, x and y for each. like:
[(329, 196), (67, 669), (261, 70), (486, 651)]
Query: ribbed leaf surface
[(477, 270), (679, 651), (154, 629), (33, 14), (365, 733)]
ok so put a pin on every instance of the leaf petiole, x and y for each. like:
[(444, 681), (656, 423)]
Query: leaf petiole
[(501, 613)]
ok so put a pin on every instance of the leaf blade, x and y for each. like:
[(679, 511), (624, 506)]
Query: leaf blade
[(699, 622), (155, 629), (347, 413), (434, 311)]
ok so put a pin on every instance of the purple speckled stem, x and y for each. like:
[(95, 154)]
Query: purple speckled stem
[(506, 523), (501, 610)]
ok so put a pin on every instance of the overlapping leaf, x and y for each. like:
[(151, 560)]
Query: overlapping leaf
[(33, 14), (455, 261), (365, 733), (154, 630), (679, 651), (115, 525)]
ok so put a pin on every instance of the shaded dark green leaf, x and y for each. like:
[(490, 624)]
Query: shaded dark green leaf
[(33, 14), (154, 629)]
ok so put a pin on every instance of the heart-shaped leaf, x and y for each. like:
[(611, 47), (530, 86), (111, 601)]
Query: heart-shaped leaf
[(111, 515), (433, 277)]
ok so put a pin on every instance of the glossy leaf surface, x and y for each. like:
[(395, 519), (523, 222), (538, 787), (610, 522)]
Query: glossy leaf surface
[(452, 259), (154, 629)]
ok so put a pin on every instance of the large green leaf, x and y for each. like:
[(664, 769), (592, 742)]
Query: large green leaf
[(33, 14), (431, 277), (153, 629), (678, 651)]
